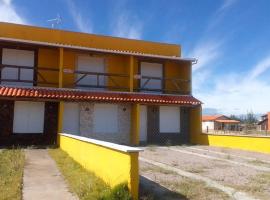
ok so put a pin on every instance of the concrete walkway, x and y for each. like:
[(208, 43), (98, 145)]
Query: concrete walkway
[(42, 180)]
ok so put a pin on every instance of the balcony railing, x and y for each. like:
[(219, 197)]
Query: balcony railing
[(100, 80), (163, 85), (44, 76), (37, 75)]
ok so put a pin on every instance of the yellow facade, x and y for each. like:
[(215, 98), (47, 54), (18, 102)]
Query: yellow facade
[(113, 166), (86, 40)]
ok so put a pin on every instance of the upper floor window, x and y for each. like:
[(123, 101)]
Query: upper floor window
[(151, 76), (17, 67), (90, 72)]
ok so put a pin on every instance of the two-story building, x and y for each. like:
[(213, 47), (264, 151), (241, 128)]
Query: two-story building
[(114, 89)]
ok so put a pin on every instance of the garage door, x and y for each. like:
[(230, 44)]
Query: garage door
[(18, 58), (28, 117), (90, 64), (169, 119)]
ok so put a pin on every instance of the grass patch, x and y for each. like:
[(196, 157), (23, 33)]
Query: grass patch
[(84, 183), (11, 174)]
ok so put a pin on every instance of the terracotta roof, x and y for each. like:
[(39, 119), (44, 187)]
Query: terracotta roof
[(58, 94), (227, 121), (210, 117)]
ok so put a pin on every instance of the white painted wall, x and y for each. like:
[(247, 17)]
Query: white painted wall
[(28, 117), (169, 119), (18, 58), (71, 118), (105, 118), (208, 124), (153, 70), (91, 64), (143, 123)]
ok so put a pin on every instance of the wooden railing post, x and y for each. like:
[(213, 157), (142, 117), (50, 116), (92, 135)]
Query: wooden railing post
[(131, 73), (61, 65)]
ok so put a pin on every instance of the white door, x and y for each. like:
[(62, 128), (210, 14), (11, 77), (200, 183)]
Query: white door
[(18, 58), (169, 119), (91, 64), (143, 123), (28, 117), (151, 70), (71, 119)]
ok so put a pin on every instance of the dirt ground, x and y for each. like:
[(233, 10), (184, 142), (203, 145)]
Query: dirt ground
[(204, 173)]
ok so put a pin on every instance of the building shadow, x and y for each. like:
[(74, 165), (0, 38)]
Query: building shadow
[(150, 190)]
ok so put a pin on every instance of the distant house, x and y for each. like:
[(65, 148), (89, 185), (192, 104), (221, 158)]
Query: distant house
[(219, 122), (264, 124)]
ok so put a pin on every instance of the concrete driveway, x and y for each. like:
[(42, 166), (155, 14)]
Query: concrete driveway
[(202, 172)]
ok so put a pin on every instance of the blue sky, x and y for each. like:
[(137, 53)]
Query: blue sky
[(230, 38)]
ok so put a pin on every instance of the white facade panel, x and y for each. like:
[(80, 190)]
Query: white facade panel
[(91, 64), (18, 58), (28, 117), (105, 118), (169, 119), (208, 125), (143, 123), (152, 70), (71, 118)]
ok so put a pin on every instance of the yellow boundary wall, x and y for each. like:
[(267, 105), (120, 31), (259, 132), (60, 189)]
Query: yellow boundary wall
[(250, 143), (113, 163)]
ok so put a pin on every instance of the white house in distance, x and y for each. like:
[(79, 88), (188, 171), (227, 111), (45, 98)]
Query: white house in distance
[(219, 122)]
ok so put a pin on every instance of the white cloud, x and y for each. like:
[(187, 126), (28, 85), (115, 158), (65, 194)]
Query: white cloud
[(226, 4), (8, 13), (206, 53), (127, 26), (83, 24), (238, 93), (261, 67)]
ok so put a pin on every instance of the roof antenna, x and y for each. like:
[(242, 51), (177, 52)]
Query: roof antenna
[(56, 21)]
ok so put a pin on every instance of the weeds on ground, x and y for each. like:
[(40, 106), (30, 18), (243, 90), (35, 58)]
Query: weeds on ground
[(257, 162), (84, 183), (11, 174)]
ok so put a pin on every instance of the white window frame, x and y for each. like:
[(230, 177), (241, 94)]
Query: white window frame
[(151, 69), (28, 117), (18, 57), (105, 118)]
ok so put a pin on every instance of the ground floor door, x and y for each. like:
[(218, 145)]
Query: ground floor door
[(152, 124)]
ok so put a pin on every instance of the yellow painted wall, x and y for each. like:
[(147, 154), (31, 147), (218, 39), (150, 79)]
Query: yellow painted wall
[(135, 124), (48, 58), (257, 144), (87, 40), (113, 166), (178, 70)]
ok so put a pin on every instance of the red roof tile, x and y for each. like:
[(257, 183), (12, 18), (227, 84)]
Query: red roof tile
[(210, 117), (80, 95)]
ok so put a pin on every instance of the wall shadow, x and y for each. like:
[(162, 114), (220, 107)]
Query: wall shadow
[(150, 190)]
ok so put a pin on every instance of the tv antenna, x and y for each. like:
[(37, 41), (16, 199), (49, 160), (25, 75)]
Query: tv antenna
[(56, 21)]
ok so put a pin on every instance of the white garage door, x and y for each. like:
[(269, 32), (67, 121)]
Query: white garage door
[(18, 58), (105, 118), (71, 119), (91, 64), (28, 117), (152, 70), (169, 119), (143, 123)]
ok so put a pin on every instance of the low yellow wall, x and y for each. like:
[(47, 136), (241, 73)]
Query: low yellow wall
[(258, 144), (113, 166)]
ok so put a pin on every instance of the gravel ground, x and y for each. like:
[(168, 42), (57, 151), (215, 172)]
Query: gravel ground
[(184, 188), (255, 155), (228, 174)]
